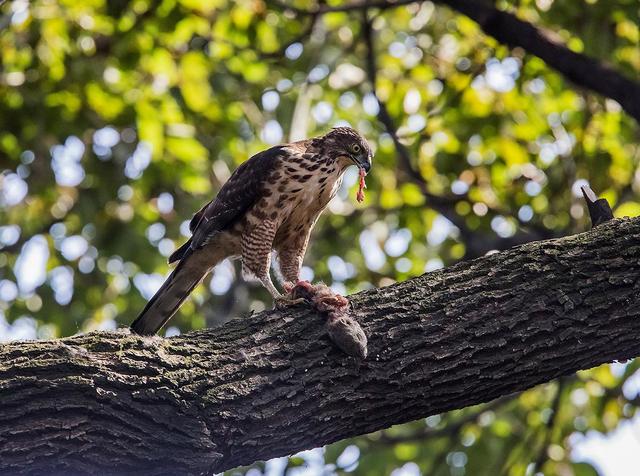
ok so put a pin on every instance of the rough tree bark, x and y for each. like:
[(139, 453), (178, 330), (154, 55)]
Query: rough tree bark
[(272, 384)]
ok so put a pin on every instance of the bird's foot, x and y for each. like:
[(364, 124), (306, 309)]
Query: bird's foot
[(319, 295), (302, 289), (289, 286), (290, 298), (285, 301), (298, 293)]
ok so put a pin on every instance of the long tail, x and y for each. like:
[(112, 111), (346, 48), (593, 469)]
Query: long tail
[(164, 304)]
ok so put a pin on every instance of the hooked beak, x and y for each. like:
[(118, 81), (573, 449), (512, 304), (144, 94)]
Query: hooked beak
[(362, 162)]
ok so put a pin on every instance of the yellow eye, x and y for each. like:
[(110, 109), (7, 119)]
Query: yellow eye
[(356, 148)]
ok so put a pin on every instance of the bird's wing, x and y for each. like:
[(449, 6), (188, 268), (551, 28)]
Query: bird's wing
[(198, 215), (242, 190)]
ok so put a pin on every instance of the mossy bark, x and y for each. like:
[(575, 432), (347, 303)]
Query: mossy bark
[(272, 384)]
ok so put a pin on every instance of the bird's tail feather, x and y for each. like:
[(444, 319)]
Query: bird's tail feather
[(169, 297)]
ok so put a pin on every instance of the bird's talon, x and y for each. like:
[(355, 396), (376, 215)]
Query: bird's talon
[(285, 301)]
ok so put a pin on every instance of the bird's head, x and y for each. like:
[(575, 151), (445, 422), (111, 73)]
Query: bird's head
[(348, 147)]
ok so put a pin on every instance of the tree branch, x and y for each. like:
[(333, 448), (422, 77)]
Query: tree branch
[(578, 68), (273, 384), (475, 243), (505, 27), (442, 205)]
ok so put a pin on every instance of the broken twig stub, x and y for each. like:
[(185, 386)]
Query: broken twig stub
[(599, 209)]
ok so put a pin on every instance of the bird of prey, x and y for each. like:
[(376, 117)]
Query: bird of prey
[(270, 203)]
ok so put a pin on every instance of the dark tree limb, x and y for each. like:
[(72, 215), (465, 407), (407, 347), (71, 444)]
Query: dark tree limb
[(476, 244), (578, 68), (443, 205), (272, 384), (582, 70)]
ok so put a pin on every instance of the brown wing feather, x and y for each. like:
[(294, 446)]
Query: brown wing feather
[(198, 215), (237, 195)]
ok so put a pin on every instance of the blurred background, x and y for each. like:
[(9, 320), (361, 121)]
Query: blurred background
[(119, 119)]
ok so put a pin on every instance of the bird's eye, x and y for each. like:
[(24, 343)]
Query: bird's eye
[(356, 148)]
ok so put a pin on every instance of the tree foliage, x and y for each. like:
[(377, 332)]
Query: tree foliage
[(119, 119)]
